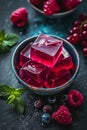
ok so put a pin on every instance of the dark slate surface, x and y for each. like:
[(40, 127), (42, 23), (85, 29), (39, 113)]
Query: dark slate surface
[(31, 120)]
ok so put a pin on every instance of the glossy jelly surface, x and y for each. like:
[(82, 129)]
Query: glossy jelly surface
[(46, 50), (58, 80), (65, 62), (25, 55), (34, 73), (45, 63)]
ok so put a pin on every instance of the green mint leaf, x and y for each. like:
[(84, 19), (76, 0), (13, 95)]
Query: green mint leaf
[(19, 104), (20, 90), (10, 99), (10, 39), (7, 41), (13, 96), (2, 36), (6, 88), (4, 92), (4, 49)]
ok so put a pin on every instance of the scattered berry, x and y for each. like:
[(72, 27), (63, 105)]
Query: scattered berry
[(75, 98), (19, 17), (52, 100), (46, 118), (47, 108), (62, 115), (38, 104), (51, 7)]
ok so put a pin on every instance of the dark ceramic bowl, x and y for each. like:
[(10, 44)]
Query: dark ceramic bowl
[(43, 91), (57, 15)]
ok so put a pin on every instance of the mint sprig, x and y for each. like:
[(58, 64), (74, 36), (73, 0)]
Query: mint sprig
[(13, 96), (7, 41)]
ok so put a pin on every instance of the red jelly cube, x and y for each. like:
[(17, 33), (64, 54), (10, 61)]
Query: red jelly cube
[(25, 55), (73, 69), (33, 72), (65, 63), (34, 83), (46, 50), (57, 81), (62, 80)]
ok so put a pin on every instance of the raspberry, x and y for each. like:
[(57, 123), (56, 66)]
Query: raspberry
[(62, 115), (70, 4), (75, 98), (36, 2), (51, 7), (19, 17)]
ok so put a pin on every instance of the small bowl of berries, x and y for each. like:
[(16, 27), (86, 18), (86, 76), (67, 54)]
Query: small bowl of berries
[(46, 64), (54, 8)]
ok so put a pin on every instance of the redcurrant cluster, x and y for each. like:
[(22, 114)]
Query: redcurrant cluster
[(78, 33)]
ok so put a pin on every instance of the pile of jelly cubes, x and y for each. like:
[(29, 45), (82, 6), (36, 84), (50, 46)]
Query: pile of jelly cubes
[(45, 63)]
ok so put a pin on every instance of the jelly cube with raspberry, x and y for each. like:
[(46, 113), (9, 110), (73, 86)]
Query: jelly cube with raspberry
[(46, 50), (33, 72), (66, 62), (24, 55), (57, 81)]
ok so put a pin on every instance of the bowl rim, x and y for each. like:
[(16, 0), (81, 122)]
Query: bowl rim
[(56, 14), (46, 90)]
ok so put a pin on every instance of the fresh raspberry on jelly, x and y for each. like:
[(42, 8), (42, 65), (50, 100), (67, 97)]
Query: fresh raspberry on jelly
[(62, 115), (19, 17), (75, 98), (51, 7)]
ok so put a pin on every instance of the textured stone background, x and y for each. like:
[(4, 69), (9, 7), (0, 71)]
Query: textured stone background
[(31, 120)]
